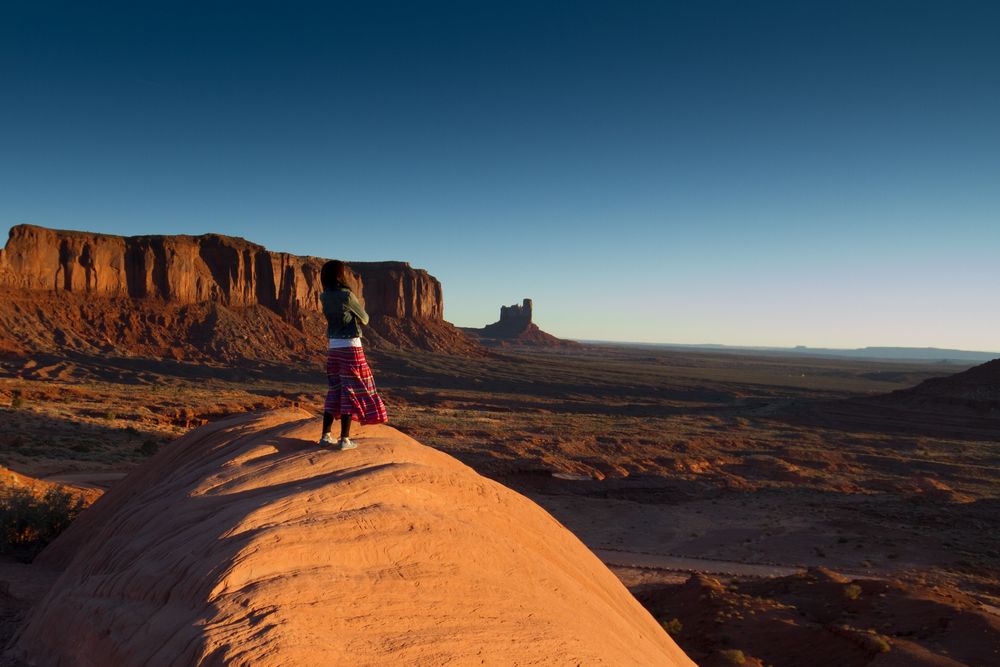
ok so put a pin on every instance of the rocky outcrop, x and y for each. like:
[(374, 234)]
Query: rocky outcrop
[(514, 320), (243, 543), (976, 390), (231, 273), (516, 328)]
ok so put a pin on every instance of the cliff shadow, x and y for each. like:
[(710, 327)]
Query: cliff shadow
[(877, 416), (76, 366)]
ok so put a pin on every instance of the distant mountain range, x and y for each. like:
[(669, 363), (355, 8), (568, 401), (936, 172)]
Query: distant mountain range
[(883, 353)]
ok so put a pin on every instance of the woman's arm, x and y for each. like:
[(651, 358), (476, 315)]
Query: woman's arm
[(357, 309)]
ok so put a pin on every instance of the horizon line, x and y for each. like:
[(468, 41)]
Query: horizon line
[(805, 348)]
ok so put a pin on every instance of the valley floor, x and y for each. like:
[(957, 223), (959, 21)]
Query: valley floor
[(666, 463)]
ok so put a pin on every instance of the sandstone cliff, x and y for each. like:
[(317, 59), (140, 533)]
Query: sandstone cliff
[(516, 328), (243, 543), (204, 282)]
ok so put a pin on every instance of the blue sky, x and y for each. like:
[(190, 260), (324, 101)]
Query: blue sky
[(760, 173)]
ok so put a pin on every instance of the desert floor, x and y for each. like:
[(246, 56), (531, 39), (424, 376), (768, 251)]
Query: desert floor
[(745, 469)]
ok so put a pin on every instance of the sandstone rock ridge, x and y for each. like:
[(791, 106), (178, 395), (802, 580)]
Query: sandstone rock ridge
[(244, 544)]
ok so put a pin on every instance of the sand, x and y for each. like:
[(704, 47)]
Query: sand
[(242, 543)]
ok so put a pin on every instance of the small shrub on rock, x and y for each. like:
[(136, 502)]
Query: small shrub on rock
[(875, 642), (29, 522), (149, 447), (733, 656), (673, 626)]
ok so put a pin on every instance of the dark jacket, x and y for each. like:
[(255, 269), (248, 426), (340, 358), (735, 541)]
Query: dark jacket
[(344, 313)]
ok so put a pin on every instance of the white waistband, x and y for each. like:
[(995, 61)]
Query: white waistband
[(344, 342)]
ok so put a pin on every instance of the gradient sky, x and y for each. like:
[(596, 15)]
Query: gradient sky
[(759, 173)]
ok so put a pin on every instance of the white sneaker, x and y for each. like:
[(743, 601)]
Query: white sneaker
[(345, 443), (327, 440)]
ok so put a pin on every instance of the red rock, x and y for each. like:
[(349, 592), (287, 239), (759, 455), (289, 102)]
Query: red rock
[(244, 544), (233, 282)]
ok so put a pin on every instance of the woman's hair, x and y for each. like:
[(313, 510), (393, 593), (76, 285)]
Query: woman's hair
[(335, 274)]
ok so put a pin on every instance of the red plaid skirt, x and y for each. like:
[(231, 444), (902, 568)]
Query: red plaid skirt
[(352, 387)]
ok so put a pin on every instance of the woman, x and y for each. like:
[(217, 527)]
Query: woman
[(352, 392)]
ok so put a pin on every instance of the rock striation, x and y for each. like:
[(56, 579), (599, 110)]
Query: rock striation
[(516, 328), (208, 274), (244, 544)]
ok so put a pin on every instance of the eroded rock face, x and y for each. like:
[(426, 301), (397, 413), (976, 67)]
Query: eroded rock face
[(243, 543), (192, 269), (178, 271)]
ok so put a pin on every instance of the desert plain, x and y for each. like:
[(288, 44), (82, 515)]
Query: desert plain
[(755, 504)]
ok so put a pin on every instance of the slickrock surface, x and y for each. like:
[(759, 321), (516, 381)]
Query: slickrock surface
[(245, 544), (56, 278)]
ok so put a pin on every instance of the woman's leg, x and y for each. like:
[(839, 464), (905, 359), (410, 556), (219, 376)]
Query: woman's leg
[(332, 401), (345, 426)]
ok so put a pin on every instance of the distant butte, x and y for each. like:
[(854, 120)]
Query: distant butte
[(516, 328)]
